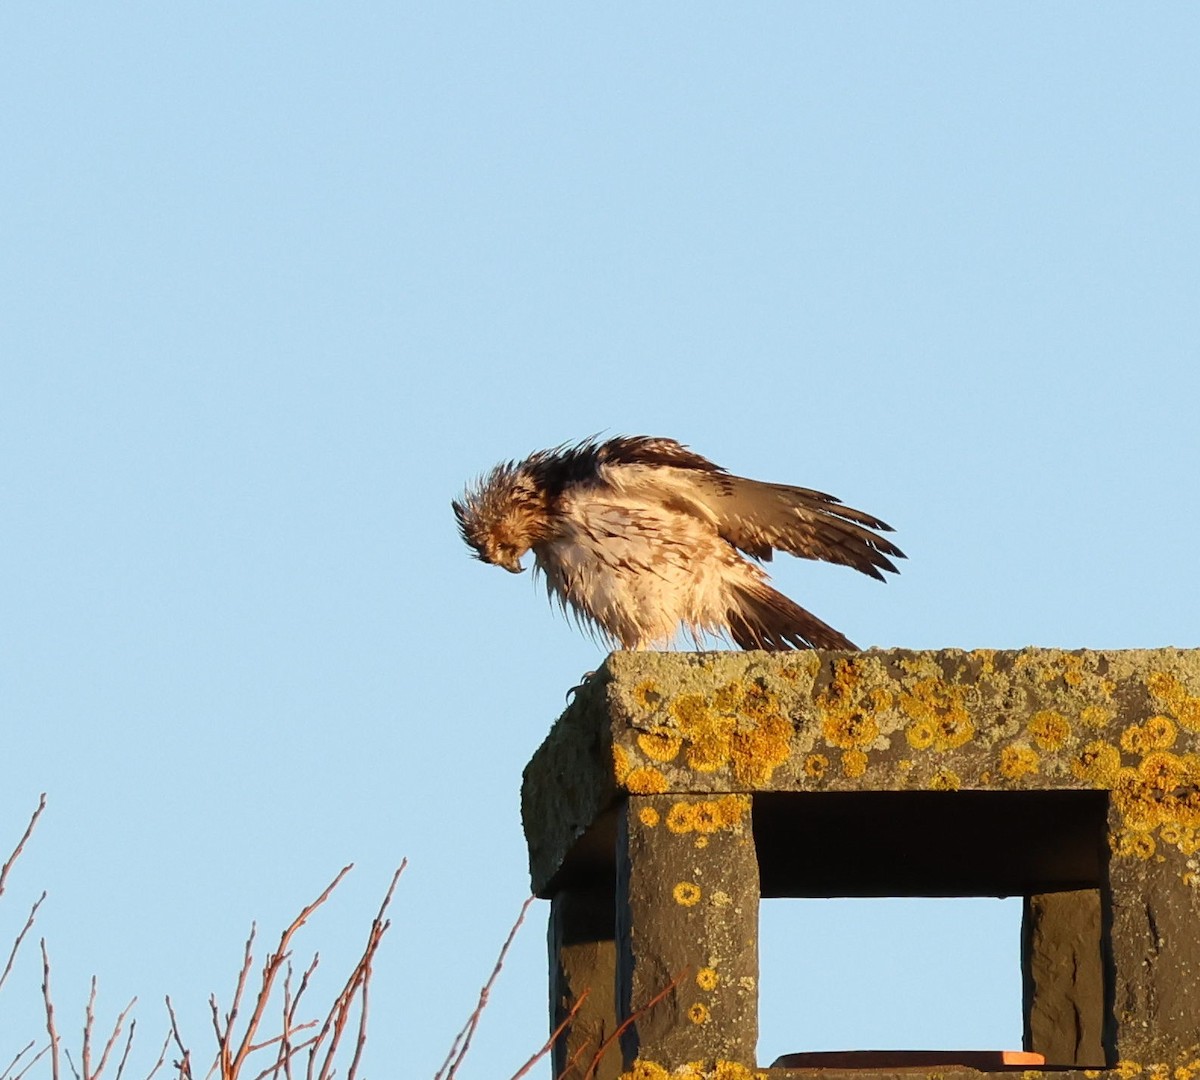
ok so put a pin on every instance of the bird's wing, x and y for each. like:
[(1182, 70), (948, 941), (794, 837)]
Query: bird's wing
[(758, 518)]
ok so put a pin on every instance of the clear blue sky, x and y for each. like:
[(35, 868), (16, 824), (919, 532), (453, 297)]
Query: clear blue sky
[(276, 279)]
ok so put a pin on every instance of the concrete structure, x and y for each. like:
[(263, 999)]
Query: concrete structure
[(680, 788)]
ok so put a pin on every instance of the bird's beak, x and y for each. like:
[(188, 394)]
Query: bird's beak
[(513, 566)]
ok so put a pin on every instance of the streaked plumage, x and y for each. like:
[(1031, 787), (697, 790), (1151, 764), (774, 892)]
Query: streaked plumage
[(640, 537)]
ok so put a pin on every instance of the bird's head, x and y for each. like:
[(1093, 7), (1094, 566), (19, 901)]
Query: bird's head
[(502, 516)]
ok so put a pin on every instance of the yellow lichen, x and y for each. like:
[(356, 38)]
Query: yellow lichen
[(920, 734), (1160, 732), (854, 763), (1162, 770), (1183, 705), (1098, 763), (648, 816), (686, 893), (1095, 716), (850, 729), (1049, 729), (621, 763), (1134, 740), (647, 694), (1019, 760), (645, 781), (660, 744), (815, 766), (646, 1070), (945, 780), (1140, 845), (679, 817), (707, 979), (939, 714), (760, 750), (698, 1013)]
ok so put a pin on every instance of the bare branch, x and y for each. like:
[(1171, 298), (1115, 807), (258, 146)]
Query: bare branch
[(36, 1058), (21, 937), (112, 1041), (71, 1063), (51, 1030), (270, 970), (455, 1058), (21, 843), (89, 1021), (13, 1064), (184, 1064), (631, 1019), (162, 1056), (128, 1046), (548, 1045)]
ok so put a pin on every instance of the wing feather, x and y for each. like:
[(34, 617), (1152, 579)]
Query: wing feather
[(760, 518)]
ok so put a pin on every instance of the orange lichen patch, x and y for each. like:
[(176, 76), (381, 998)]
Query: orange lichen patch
[(741, 727), (1095, 716), (1127, 1070), (1019, 760), (1134, 739), (1098, 763), (848, 709), (1184, 706), (660, 743), (1049, 729), (1136, 800), (815, 766), (920, 734), (707, 979), (646, 1070), (854, 763), (1162, 770), (1160, 732), (945, 780), (686, 893), (759, 750), (707, 815), (648, 816), (698, 1013), (621, 763), (645, 781), (647, 695), (731, 1070), (986, 658), (938, 713), (1139, 845)]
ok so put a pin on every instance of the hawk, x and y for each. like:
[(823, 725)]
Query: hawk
[(640, 537)]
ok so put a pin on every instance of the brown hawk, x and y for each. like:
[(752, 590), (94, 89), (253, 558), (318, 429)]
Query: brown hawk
[(640, 537)]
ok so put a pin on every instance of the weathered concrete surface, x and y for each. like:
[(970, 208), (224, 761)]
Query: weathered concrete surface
[(1062, 960), (1119, 727), (583, 970), (687, 919)]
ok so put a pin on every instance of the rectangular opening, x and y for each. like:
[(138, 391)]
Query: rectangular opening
[(881, 925), (900, 974)]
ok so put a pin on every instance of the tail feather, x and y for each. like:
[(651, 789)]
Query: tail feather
[(762, 618)]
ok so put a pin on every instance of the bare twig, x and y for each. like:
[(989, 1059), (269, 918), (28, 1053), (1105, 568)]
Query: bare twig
[(631, 1019), (88, 1074), (232, 1063), (357, 983), (162, 1056), (21, 937), (32, 1062), (55, 1072), (128, 1047), (462, 1041), (548, 1045), (13, 1064), (21, 843), (184, 1065)]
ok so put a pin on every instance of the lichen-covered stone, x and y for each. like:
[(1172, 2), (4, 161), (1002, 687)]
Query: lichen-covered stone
[(674, 742), (687, 920)]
